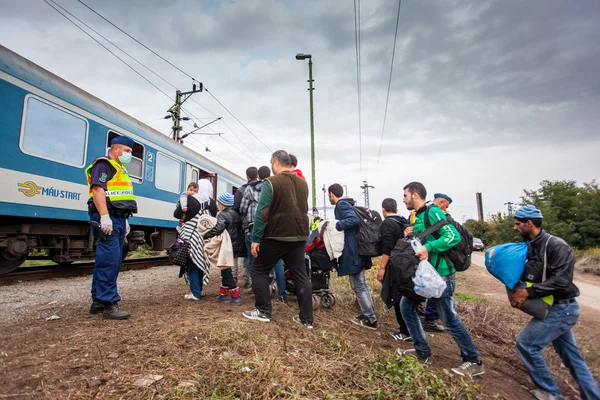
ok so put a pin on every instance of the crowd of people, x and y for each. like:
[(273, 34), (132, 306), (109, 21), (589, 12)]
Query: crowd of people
[(266, 225)]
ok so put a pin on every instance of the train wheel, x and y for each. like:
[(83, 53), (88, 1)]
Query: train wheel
[(9, 263), (328, 300)]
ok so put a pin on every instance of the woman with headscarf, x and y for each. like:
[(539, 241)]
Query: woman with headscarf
[(198, 267)]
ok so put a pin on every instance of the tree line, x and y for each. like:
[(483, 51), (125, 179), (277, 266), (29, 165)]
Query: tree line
[(570, 211)]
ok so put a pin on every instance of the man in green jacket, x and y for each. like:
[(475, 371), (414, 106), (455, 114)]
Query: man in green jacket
[(434, 245), (280, 232)]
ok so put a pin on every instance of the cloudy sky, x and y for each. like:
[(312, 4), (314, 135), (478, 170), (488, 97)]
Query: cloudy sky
[(486, 96)]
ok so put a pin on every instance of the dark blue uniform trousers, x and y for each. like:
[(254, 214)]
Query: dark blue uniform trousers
[(108, 262)]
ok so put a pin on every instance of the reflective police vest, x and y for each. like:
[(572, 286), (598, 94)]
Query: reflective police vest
[(119, 189)]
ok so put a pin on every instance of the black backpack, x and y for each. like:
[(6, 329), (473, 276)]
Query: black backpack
[(368, 237), (403, 264), (459, 255)]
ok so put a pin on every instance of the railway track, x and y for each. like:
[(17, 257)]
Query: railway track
[(40, 272)]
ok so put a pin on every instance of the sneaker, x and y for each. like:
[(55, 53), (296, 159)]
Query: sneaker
[(257, 315), (432, 325), (190, 296), (361, 320), (282, 299), (421, 308), (543, 395), (114, 311), (96, 307), (307, 325), (400, 337), (469, 368), (413, 352)]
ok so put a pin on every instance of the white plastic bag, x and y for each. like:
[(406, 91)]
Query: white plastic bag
[(428, 283)]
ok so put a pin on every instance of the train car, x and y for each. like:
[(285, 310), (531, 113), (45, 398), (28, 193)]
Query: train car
[(50, 130)]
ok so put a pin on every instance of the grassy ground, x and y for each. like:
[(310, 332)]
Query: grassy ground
[(588, 261)]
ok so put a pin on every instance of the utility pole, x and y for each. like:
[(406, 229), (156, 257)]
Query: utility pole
[(312, 133), (510, 205), (324, 202), (479, 203), (175, 109), (365, 188), (302, 56)]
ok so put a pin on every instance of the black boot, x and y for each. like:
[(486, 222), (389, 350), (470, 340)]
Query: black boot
[(432, 325), (114, 311), (96, 307)]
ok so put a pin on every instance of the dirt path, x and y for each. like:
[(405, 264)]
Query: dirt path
[(589, 287), (210, 347)]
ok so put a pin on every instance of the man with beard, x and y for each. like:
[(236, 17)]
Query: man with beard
[(550, 265), (434, 245)]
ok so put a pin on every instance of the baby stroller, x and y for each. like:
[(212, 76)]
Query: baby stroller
[(318, 266)]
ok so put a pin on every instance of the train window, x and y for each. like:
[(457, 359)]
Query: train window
[(194, 175), (53, 133), (135, 168), (168, 173)]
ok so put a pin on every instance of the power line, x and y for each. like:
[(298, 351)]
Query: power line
[(105, 38), (140, 43), (389, 86), (358, 74), (180, 70), (107, 49), (240, 122), (120, 59)]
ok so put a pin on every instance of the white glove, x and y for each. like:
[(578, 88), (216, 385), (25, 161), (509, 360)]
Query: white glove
[(106, 224), (127, 228)]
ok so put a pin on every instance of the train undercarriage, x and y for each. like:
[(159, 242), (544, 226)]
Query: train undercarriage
[(65, 242)]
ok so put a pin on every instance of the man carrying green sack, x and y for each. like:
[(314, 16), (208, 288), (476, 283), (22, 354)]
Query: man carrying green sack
[(549, 267)]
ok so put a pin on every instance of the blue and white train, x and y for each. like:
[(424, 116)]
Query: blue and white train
[(50, 130)]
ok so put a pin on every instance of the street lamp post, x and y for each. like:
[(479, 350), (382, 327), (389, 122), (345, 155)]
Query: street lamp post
[(302, 56)]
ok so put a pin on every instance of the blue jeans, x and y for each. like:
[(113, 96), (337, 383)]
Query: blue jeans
[(445, 307), (195, 279), (249, 260), (279, 268), (358, 283), (280, 278), (108, 262), (555, 329), (431, 310)]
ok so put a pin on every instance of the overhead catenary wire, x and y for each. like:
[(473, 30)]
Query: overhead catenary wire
[(389, 86), (236, 118), (107, 49), (358, 76), (112, 43), (140, 43), (182, 71), (119, 58)]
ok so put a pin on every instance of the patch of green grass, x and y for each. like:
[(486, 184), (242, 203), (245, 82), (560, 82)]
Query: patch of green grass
[(404, 377), (144, 252), (470, 298)]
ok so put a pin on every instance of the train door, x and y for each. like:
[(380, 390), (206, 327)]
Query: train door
[(212, 178), (192, 174)]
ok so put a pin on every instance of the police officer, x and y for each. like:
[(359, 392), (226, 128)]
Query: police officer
[(111, 203), (550, 265)]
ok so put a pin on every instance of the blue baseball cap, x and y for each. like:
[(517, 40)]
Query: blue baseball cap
[(124, 140), (226, 199), (443, 196), (528, 212)]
